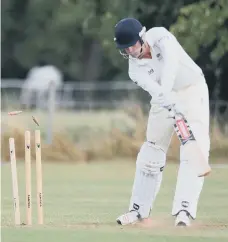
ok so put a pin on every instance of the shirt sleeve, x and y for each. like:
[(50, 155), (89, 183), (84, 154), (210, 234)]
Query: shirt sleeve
[(144, 81), (167, 45)]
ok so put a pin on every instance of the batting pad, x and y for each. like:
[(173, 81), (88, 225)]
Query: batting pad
[(145, 189)]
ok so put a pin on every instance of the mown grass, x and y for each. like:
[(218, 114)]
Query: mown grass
[(82, 201)]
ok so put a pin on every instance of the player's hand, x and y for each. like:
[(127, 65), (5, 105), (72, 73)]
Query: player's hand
[(174, 111), (161, 100), (157, 99)]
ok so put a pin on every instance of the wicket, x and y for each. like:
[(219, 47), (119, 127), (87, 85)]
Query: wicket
[(14, 182), (28, 180)]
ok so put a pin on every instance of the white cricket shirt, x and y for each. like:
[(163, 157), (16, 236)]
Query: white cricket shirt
[(170, 69)]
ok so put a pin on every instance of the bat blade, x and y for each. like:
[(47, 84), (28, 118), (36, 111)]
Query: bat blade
[(198, 161), (187, 139)]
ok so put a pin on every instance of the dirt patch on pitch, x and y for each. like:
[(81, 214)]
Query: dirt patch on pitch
[(163, 223), (149, 223)]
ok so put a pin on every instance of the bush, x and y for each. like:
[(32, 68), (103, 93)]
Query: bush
[(120, 140)]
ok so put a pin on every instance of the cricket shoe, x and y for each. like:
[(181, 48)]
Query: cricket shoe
[(182, 219), (129, 218)]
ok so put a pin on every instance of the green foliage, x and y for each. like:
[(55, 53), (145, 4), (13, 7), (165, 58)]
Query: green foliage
[(77, 35), (202, 24), (73, 35), (65, 33)]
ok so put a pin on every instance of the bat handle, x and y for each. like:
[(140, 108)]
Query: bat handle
[(171, 110)]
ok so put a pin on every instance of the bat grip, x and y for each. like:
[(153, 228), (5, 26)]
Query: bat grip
[(171, 110)]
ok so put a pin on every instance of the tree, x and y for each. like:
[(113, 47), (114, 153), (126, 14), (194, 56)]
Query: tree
[(76, 36), (202, 29)]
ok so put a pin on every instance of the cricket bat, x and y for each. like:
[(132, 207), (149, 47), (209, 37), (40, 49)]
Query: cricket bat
[(187, 139)]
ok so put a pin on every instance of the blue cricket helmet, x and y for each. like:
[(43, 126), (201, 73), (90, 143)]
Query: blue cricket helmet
[(127, 32)]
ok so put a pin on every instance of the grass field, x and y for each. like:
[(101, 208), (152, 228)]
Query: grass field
[(81, 203)]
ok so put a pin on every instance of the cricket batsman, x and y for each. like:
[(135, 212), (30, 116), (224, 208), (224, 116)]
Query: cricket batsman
[(160, 66)]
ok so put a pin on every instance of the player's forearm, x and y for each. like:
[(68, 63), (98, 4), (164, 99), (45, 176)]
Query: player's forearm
[(171, 63), (144, 81), (153, 88)]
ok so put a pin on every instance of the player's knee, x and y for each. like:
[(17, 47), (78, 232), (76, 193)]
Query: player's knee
[(151, 158)]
